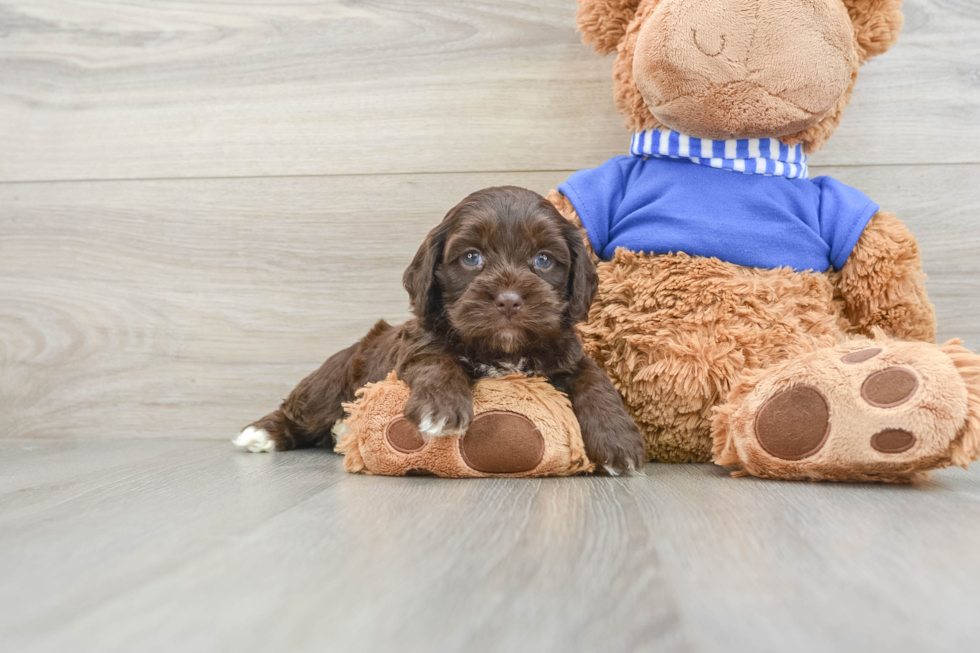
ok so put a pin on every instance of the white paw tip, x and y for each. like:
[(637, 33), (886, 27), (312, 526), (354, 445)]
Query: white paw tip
[(438, 429), (255, 440), (431, 428), (629, 470), (339, 430)]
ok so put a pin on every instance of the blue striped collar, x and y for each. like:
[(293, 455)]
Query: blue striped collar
[(760, 156)]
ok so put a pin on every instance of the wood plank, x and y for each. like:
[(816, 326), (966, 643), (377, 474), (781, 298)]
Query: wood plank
[(188, 308), (122, 90), (94, 505), (205, 548)]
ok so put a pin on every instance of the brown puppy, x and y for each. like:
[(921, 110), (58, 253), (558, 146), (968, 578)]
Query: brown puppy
[(496, 288)]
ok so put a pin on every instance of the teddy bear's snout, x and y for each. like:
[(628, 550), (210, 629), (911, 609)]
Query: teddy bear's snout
[(743, 68)]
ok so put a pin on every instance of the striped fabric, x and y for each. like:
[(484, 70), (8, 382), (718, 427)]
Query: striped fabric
[(760, 156)]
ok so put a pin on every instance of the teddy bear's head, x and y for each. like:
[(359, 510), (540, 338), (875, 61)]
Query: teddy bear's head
[(725, 69)]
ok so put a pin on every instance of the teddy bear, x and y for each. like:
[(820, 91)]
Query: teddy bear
[(748, 314)]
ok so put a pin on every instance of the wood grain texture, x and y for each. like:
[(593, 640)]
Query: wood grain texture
[(189, 308), (91, 89), (168, 546)]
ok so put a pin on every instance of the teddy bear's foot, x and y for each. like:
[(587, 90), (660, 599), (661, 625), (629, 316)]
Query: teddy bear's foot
[(862, 411), (521, 427)]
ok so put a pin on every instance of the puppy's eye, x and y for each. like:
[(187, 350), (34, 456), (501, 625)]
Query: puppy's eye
[(542, 261), (472, 259)]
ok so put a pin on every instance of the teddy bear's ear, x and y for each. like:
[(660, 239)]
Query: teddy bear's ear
[(876, 24), (603, 22)]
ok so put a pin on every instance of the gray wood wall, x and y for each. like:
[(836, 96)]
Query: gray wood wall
[(200, 201)]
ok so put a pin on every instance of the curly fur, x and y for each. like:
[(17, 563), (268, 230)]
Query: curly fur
[(662, 328), (883, 285)]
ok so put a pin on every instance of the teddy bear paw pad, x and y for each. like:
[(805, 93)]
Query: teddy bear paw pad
[(501, 442), (852, 413), (860, 355), (892, 441), (793, 424), (889, 388), (403, 436)]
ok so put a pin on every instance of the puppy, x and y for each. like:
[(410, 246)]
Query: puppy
[(496, 288)]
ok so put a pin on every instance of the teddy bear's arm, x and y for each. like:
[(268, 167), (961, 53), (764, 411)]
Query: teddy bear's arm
[(565, 207), (883, 285)]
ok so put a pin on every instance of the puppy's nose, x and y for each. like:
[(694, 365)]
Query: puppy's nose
[(509, 302)]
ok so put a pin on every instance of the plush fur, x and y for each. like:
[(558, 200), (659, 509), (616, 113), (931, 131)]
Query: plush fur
[(696, 346), (883, 285)]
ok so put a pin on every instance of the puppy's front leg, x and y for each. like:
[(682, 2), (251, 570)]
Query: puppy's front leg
[(612, 440), (441, 402)]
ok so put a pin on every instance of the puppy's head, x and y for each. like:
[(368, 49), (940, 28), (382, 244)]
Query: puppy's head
[(504, 270)]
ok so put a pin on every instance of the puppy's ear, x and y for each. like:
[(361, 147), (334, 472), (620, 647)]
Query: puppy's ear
[(583, 280), (419, 279)]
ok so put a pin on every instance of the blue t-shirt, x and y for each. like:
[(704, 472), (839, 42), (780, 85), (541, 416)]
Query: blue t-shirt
[(664, 206)]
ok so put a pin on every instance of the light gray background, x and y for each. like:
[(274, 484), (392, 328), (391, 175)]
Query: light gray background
[(200, 201)]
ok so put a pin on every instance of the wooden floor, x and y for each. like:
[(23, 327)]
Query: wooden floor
[(140, 545)]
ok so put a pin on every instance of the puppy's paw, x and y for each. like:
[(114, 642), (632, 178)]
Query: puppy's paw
[(339, 430), (616, 452), (434, 429), (255, 440), (438, 411)]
